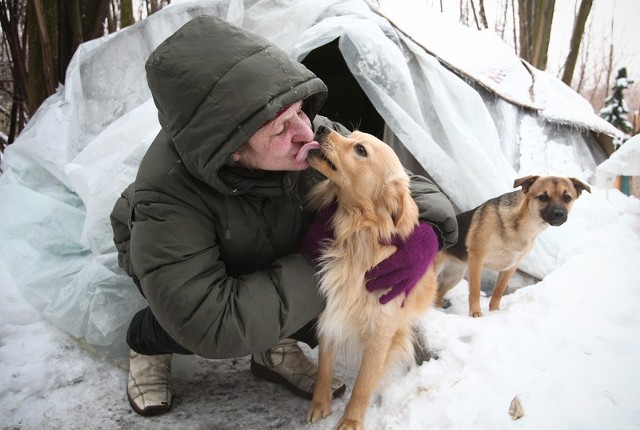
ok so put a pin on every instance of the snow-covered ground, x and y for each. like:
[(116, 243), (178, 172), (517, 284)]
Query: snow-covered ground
[(568, 347)]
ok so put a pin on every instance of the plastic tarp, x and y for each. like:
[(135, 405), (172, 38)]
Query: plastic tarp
[(82, 148)]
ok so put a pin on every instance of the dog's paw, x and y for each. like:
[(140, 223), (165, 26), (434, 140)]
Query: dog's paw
[(475, 314), (318, 411), (349, 424)]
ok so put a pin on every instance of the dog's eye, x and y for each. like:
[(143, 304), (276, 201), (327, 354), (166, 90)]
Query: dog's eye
[(543, 197), (360, 150), (566, 198)]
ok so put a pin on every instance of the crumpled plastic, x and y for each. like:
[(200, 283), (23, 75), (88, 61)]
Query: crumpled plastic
[(83, 146)]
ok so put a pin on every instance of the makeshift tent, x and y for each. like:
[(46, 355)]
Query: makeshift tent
[(456, 104)]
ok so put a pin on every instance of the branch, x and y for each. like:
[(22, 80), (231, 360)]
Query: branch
[(576, 38)]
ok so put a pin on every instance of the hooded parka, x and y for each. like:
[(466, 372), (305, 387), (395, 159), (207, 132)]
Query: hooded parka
[(214, 245)]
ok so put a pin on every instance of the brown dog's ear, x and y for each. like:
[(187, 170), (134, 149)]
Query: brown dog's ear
[(580, 186), (401, 206), (322, 194), (525, 182)]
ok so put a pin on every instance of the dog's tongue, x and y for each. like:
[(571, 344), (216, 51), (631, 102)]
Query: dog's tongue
[(304, 151)]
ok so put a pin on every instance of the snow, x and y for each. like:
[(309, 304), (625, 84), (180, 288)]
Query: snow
[(625, 161), (567, 346)]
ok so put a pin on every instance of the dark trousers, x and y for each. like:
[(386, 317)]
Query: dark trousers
[(146, 336)]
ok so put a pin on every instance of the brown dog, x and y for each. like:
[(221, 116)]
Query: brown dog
[(371, 188), (500, 233)]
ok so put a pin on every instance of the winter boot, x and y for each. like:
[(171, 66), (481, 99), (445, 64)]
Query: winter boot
[(286, 364), (148, 387)]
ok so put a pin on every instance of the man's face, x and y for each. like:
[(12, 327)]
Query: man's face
[(277, 145)]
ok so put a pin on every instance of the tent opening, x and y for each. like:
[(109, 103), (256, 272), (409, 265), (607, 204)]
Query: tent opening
[(347, 103)]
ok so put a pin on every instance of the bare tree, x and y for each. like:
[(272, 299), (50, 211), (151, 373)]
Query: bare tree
[(515, 27), (610, 59), (12, 16), (535, 20), (126, 13), (94, 12), (479, 17), (42, 73), (576, 39), (584, 60), (155, 5), (464, 12), (69, 33), (39, 40), (501, 21)]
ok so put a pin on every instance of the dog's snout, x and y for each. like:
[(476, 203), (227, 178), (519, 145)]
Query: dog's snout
[(322, 131), (555, 216)]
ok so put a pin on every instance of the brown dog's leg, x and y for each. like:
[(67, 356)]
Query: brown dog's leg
[(322, 393), (501, 285), (475, 279), (421, 353), (371, 371), (450, 272)]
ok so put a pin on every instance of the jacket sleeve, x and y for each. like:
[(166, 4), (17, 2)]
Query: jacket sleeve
[(175, 253), (435, 209), (121, 231)]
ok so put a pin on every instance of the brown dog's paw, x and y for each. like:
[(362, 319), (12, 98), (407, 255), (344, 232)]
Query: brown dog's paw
[(349, 424), (475, 314), (318, 411)]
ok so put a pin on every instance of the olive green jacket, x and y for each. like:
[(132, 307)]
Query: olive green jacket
[(213, 245)]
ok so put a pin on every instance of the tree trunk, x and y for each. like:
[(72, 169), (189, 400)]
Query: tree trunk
[(70, 33), (525, 15), (503, 24), (126, 13), (462, 16), (535, 19), (609, 70), (516, 48), (112, 17), (582, 64), (483, 15), (576, 39), (42, 36), (542, 32), (94, 13), (479, 17), (10, 15)]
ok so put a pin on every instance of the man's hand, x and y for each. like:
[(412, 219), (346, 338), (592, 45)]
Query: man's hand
[(320, 231), (400, 272)]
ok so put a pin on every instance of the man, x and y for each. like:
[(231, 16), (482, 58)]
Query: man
[(210, 229)]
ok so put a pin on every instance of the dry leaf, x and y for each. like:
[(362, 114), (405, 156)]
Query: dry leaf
[(515, 409)]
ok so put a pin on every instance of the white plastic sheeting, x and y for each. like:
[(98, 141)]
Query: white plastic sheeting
[(83, 146)]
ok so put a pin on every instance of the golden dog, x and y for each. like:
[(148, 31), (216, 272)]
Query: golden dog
[(499, 233), (371, 188)]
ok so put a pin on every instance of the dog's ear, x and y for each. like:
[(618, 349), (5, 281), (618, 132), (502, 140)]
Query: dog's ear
[(402, 208), (525, 182), (580, 186), (322, 194)]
